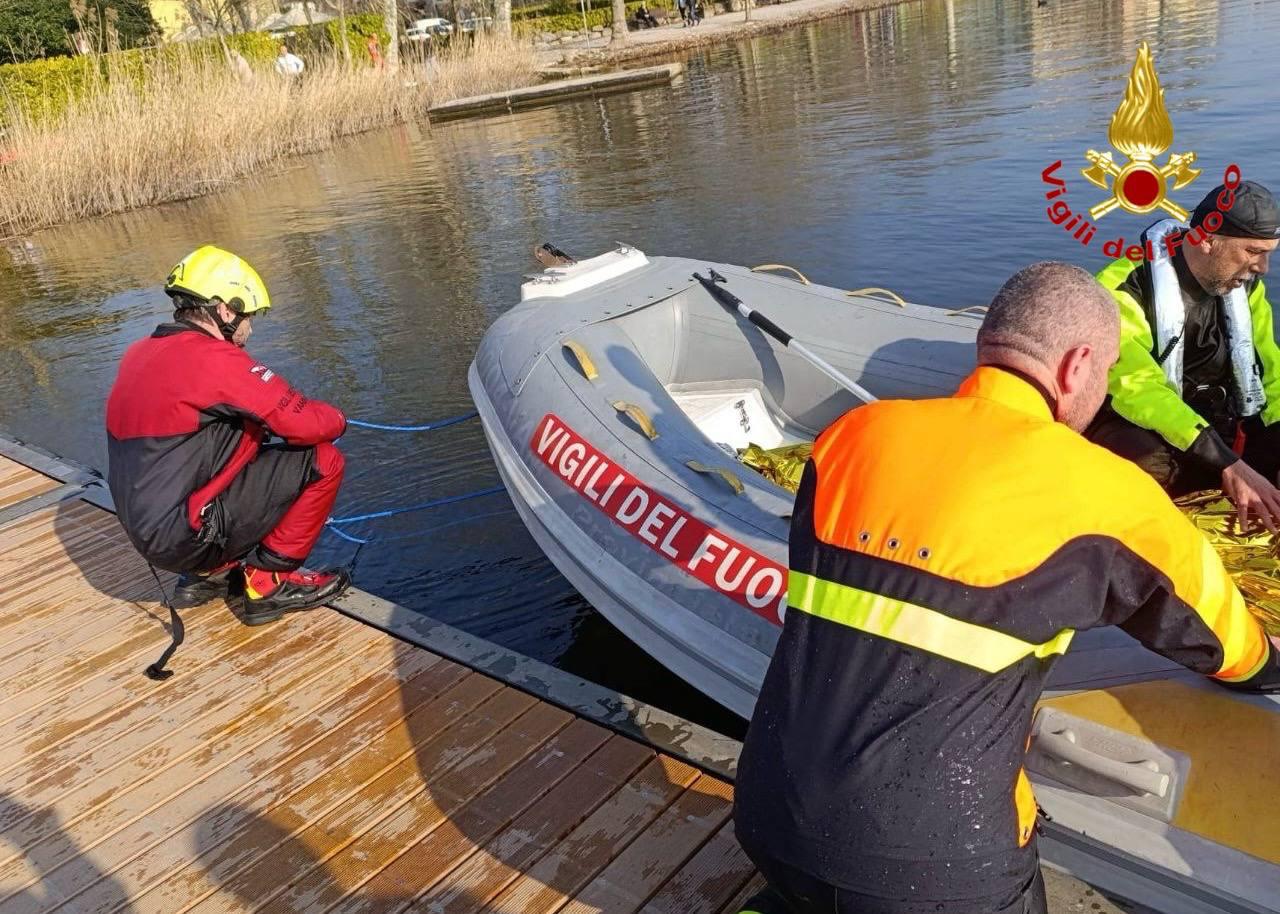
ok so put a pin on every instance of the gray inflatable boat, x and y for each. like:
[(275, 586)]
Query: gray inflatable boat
[(615, 399)]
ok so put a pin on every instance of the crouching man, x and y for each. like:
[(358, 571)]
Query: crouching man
[(196, 487)]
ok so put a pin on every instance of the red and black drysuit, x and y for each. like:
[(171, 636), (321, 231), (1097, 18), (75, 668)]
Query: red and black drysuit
[(193, 483)]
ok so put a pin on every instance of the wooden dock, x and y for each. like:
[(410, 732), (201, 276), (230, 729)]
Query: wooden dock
[(316, 764), (593, 84), (360, 758)]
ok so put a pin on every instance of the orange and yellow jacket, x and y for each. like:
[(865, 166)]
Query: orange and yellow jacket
[(943, 554)]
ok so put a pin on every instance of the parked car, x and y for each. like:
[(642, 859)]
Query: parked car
[(483, 23), (426, 29)]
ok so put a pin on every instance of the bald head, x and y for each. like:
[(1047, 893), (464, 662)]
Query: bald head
[(1056, 323), (1044, 310)]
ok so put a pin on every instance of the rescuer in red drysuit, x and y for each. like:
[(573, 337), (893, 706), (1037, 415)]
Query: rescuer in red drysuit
[(196, 487)]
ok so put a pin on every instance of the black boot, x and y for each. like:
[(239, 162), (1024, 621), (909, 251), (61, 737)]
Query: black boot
[(195, 588), (268, 595)]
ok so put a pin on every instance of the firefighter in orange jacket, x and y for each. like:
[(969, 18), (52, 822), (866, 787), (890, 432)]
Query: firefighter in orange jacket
[(943, 553)]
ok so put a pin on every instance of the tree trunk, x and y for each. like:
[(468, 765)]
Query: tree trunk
[(502, 17), (342, 30), (619, 21), (392, 24), (746, 5)]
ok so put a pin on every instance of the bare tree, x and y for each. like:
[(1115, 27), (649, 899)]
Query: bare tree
[(218, 15), (342, 30), (392, 24), (502, 16), (619, 21)]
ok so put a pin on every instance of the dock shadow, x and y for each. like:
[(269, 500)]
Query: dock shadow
[(499, 816), (81, 870)]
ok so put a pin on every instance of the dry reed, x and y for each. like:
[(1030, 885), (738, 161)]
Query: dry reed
[(191, 127)]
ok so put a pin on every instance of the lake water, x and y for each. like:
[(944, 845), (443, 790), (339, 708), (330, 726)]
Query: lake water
[(900, 147)]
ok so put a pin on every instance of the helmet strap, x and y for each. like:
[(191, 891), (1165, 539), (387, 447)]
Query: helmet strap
[(228, 328)]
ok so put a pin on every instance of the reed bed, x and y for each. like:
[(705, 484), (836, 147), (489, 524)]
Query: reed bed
[(190, 126)]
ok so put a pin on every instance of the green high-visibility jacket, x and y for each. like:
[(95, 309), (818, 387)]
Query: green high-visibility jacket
[(1140, 391)]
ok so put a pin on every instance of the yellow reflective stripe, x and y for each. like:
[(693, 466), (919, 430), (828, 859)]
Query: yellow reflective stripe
[(1221, 607), (916, 626)]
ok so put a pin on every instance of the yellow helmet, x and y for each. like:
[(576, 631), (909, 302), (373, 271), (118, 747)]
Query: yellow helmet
[(209, 272)]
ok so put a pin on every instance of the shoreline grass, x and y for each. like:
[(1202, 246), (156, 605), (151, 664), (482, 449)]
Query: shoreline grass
[(191, 126)]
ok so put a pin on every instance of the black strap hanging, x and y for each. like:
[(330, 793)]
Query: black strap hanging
[(177, 632)]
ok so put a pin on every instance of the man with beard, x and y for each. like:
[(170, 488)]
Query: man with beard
[(1195, 395)]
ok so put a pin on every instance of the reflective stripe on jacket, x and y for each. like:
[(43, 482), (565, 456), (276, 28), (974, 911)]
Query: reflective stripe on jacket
[(943, 553), (1140, 390)]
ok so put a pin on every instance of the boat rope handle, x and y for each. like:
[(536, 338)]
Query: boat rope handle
[(887, 293), (638, 416), (727, 475), (972, 309), (585, 364), (767, 267)]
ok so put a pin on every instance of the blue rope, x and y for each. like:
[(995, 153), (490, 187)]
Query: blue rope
[(392, 512), (347, 536), (416, 534), (430, 426)]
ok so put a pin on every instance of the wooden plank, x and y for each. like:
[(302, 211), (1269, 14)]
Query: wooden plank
[(425, 871), (106, 658), (310, 766), (533, 836), (76, 618), (710, 879), (51, 573), (531, 755), (55, 611), (735, 905), (547, 885), (216, 819), (212, 634), (75, 706), (635, 874), (221, 693), (110, 811), (17, 488), (364, 803), (454, 832)]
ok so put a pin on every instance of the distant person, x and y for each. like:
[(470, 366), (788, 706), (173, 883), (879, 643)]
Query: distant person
[(195, 486), (645, 19), (1195, 396), (943, 554), (289, 64), (375, 51), (240, 67)]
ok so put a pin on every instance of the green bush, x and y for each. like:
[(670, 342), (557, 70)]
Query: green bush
[(600, 13), (44, 88), (325, 38)]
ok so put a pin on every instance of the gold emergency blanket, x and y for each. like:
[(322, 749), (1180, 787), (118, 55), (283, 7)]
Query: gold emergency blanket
[(783, 465), (1251, 558)]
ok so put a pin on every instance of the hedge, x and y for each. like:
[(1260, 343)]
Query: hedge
[(44, 88), (600, 13)]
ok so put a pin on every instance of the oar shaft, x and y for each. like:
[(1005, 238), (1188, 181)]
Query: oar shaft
[(832, 372), (729, 300)]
